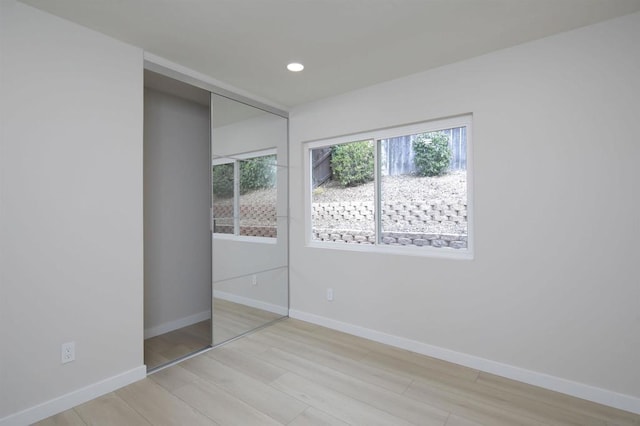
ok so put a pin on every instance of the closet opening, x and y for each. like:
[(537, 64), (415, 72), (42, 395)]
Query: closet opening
[(177, 242)]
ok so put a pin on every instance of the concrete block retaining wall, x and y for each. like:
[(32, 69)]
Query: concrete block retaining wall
[(352, 222), (256, 220), (392, 238), (452, 211)]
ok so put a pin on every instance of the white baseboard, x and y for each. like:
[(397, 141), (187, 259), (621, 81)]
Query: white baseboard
[(176, 324), (568, 387), (254, 303), (72, 399)]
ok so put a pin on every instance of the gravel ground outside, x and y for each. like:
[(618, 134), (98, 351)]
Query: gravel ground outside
[(405, 187)]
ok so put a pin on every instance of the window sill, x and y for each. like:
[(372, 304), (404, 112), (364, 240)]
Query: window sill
[(441, 253), (245, 239)]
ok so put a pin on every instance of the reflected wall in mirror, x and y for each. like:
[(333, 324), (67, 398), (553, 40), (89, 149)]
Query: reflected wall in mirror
[(249, 208)]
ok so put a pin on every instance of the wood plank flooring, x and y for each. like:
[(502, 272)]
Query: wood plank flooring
[(175, 344), (234, 319), (229, 321), (299, 374)]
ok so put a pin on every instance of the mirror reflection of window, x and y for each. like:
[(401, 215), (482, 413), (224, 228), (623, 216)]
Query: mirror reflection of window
[(223, 198), (245, 196), (258, 195)]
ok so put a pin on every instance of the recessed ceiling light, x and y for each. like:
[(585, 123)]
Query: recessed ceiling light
[(295, 67)]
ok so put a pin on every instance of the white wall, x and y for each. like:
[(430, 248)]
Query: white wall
[(270, 291), (177, 271), (71, 212), (555, 129)]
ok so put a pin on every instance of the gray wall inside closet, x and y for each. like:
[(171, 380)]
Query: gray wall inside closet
[(177, 240)]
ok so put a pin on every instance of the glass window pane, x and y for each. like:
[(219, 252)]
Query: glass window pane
[(222, 183), (258, 195), (423, 189), (343, 193)]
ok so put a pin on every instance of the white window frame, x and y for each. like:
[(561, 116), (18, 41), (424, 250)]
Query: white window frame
[(234, 159), (377, 135)]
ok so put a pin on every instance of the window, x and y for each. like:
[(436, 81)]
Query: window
[(403, 189), (244, 195)]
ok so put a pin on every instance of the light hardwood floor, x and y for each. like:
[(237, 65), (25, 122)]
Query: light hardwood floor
[(175, 344), (230, 320), (295, 373), (233, 319)]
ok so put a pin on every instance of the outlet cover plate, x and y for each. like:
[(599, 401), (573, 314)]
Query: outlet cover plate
[(68, 352)]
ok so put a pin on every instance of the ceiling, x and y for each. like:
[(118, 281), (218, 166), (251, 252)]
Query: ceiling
[(177, 88), (344, 44)]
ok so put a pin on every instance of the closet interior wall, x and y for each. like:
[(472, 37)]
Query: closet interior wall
[(177, 242)]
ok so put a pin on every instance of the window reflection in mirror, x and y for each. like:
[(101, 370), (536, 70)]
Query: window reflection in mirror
[(223, 198)]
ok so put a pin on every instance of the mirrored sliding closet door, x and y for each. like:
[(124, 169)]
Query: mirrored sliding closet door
[(249, 173)]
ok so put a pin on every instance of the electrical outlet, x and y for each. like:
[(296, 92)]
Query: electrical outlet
[(329, 294), (254, 280), (68, 352)]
